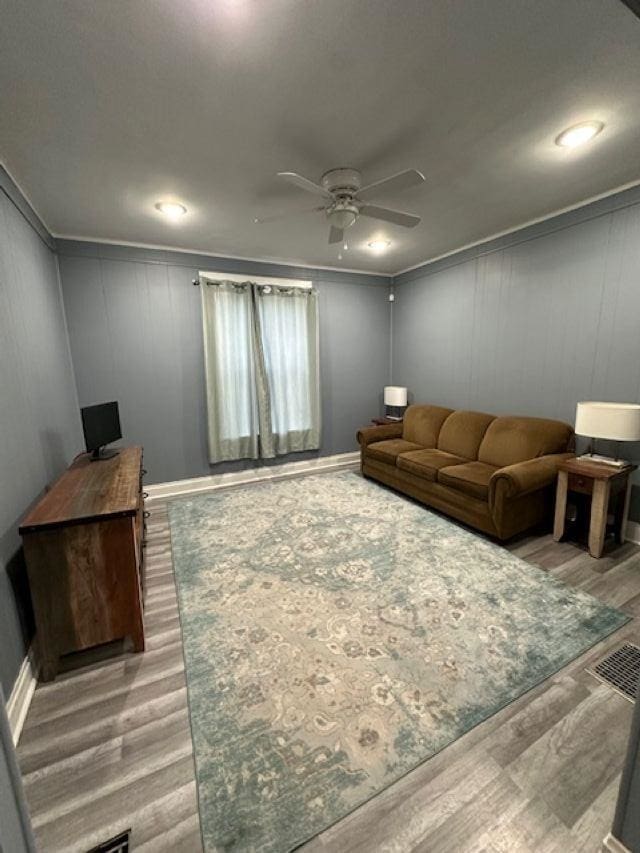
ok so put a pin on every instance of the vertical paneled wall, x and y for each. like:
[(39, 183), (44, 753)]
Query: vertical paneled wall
[(531, 329), (39, 418), (135, 327)]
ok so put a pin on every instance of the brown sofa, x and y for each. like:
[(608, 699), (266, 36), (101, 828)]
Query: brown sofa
[(494, 473)]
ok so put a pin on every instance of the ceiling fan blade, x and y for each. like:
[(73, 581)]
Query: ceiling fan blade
[(395, 183), (407, 220), (336, 235), (305, 184), (259, 220)]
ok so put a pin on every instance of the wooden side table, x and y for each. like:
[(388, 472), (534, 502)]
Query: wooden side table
[(603, 483), (383, 421)]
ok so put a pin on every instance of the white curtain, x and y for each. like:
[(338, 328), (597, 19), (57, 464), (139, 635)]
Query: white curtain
[(232, 405), (289, 335), (261, 366)]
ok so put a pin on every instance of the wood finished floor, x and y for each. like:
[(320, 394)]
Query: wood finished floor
[(107, 746)]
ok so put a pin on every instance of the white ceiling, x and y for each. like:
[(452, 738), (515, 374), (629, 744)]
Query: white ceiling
[(107, 106)]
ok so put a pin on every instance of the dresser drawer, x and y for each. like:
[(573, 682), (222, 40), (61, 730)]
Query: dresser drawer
[(579, 483)]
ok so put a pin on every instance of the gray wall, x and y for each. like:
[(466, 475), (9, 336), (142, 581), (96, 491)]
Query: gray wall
[(530, 328), (39, 420), (135, 327)]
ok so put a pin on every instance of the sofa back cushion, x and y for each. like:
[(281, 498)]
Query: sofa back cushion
[(509, 440), (462, 433), (422, 424)]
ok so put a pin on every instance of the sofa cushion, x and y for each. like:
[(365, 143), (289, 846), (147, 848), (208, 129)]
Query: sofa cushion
[(427, 463), (462, 433), (422, 424), (509, 440), (472, 478), (388, 450)]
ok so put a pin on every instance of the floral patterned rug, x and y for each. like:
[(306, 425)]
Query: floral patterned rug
[(337, 635)]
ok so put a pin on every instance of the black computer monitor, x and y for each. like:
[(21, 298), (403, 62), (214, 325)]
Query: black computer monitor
[(101, 425)]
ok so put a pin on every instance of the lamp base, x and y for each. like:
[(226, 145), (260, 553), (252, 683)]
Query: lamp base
[(605, 460)]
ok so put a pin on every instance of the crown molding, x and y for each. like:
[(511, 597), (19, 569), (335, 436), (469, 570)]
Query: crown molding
[(291, 268), (627, 195), (20, 200)]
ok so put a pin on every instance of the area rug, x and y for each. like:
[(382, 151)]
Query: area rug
[(337, 635)]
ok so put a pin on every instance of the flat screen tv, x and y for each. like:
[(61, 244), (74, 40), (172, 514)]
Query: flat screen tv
[(101, 425)]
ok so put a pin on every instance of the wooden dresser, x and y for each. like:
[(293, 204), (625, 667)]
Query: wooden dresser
[(83, 545)]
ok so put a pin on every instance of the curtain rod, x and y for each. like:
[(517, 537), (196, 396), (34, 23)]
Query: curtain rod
[(196, 283), (272, 281)]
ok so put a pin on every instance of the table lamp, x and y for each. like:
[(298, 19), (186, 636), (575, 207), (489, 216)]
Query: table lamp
[(395, 402), (612, 421)]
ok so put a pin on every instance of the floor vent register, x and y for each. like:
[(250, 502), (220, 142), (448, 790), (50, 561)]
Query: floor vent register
[(620, 669)]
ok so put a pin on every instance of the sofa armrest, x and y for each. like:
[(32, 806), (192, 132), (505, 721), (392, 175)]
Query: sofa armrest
[(525, 477), (367, 435)]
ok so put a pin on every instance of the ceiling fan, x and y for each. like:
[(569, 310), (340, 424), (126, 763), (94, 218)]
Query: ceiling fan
[(345, 199)]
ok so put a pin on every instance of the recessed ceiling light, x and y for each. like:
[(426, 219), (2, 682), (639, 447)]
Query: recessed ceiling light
[(579, 134), (171, 209), (379, 245)]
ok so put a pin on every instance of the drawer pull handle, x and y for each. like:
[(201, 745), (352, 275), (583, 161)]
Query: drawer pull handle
[(145, 495), (144, 471), (146, 513)]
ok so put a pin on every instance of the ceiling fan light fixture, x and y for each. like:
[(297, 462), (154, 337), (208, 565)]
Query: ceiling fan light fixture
[(379, 246), (343, 217), (579, 134), (171, 209)]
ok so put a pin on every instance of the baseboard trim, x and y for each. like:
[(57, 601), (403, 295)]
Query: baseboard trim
[(253, 475), (612, 845), (21, 695), (632, 533)]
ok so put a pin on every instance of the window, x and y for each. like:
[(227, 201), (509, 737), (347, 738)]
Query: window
[(261, 365)]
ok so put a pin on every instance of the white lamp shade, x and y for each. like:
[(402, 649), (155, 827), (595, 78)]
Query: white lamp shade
[(394, 395), (615, 421)]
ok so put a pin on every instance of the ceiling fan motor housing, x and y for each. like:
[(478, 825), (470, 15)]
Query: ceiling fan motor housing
[(342, 182)]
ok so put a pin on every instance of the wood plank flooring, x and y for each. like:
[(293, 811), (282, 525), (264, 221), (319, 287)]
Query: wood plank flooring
[(107, 746)]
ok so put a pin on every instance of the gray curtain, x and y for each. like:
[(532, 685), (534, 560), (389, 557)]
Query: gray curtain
[(262, 369)]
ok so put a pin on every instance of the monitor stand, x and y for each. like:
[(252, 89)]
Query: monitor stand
[(101, 453)]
